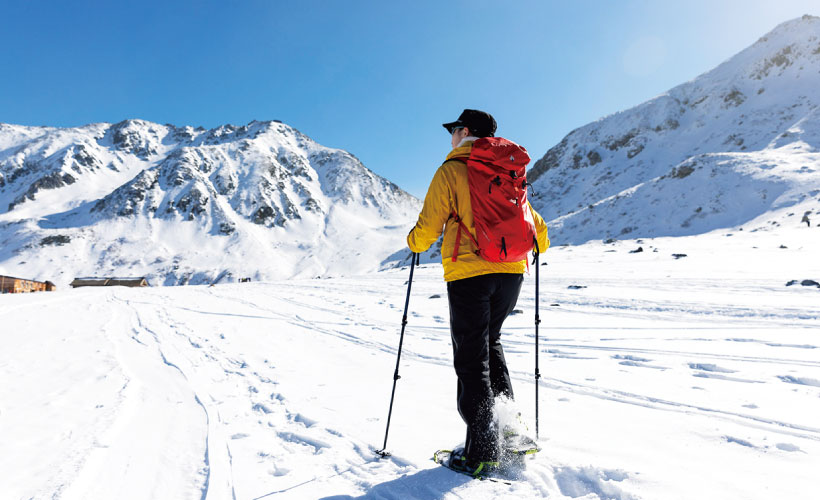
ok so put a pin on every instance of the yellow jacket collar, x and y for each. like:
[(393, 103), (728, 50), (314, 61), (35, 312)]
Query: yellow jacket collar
[(463, 150)]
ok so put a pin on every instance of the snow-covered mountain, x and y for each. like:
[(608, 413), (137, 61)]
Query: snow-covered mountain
[(739, 145), (183, 205)]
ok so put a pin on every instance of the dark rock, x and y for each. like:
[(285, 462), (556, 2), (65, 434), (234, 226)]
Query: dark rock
[(550, 160), (681, 172), (82, 156), (735, 97), (637, 250), (129, 140), (615, 144), (576, 161), (52, 181), (312, 205), (59, 240), (436, 296), (263, 214), (226, 228), (516, 311), (593, 157), (678, 255), (576, 287), (810, 283)]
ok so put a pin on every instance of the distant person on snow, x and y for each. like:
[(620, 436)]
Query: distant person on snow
[(481, 293), (806, 219)]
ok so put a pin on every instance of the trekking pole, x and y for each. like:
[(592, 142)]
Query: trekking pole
[(413, 260), (537, 322)]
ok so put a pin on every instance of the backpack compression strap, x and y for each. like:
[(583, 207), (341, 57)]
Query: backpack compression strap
[(462, 227)]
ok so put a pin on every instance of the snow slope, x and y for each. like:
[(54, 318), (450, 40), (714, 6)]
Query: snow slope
[(189, 206), (736, 146), (664, 377)]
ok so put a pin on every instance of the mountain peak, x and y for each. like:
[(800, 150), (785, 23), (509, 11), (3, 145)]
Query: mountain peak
[(793, 27)]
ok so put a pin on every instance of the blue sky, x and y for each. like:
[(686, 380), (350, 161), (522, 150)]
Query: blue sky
[(374, 78)]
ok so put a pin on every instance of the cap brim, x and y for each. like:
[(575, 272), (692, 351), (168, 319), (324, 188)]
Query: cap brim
[(450, 126)]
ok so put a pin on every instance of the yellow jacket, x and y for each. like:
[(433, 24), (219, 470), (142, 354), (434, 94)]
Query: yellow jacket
[(449, 192)]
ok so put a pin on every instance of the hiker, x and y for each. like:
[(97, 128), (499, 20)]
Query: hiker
[(481, 293), (806, 219)]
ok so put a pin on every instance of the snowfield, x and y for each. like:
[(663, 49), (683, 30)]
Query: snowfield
[(663, 378)]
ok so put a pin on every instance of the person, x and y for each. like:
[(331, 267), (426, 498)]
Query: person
[(481, 294), (806, 219)]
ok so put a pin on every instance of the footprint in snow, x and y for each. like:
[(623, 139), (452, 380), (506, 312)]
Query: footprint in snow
[(718, 376), (629, 357), (583, 481), (299, 418), (261, 408), (799, 380), (641, 365), (741, 442), (301, 439), (279, 471), (708, 367)]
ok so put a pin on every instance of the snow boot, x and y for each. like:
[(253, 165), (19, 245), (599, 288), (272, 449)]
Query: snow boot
[(460, 463)]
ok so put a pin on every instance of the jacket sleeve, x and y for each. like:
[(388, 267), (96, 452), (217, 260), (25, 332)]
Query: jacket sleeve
[(433, 215), (541, 230)]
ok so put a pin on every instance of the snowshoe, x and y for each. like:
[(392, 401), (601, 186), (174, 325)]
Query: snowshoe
[(515, 449), (513, 443), (456, 461)]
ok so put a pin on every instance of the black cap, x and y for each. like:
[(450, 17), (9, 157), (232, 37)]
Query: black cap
[(481, 124)]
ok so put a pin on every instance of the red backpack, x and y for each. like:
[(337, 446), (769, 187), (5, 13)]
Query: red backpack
[(496, 173)]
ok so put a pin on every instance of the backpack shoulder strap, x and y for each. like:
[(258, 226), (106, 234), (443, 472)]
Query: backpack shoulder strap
[(462, 159), (461, 226)]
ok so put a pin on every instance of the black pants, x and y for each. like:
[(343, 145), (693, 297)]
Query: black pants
[(478, 307)]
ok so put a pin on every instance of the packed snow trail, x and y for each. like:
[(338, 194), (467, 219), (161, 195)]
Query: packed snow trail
[(663, 378)]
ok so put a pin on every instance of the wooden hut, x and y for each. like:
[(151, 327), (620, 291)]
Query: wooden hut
[(10, 284), (131, 282)]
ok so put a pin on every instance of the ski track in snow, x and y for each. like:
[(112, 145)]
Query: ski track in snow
[(280, 390)]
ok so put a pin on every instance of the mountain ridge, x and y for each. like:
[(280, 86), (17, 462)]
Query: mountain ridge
[(264, 186), (763, 99)]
